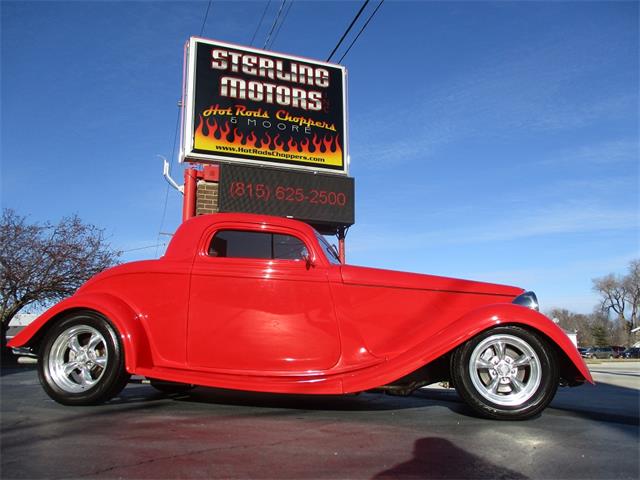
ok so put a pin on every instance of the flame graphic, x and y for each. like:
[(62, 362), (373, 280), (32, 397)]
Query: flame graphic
[(221, 138)]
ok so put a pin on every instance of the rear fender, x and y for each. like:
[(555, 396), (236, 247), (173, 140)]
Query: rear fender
[(123, 317), (490, 316)]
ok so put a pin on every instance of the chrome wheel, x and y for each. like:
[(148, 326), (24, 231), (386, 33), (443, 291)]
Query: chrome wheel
[(505, 370), (78, 358)]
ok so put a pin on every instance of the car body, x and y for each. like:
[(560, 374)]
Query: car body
[(262, 303), (599, 352), (631, 352)]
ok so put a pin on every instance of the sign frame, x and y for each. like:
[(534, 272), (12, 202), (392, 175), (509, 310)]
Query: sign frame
[(188, 114)]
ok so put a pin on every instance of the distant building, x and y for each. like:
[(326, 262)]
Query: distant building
[(20, 321), (635, 333), (573, 336)]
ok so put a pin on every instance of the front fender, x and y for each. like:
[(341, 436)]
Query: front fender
[(124, 318), (489, 316), (455, 333)]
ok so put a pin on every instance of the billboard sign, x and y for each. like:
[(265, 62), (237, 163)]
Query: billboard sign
[(325, 201), (246, 105)]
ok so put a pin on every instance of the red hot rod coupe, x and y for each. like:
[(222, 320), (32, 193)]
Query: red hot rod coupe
[(261, 303)]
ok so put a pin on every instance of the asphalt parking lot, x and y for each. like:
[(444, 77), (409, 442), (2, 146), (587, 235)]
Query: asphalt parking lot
[(588, 432)]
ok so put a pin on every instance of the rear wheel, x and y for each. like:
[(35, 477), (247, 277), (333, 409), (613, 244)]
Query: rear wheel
[(82, 361), (506, 373)]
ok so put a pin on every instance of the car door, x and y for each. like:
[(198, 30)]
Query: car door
[(256, 304)]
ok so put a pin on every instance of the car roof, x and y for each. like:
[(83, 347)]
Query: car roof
[(184, 241)]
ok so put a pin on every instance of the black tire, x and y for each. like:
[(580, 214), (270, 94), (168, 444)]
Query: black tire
[(170, 387), (82, 360), (497, 386)]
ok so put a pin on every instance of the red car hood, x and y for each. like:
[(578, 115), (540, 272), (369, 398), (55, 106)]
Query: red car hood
[(389, 278)]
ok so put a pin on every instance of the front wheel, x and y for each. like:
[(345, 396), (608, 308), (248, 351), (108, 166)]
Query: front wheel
[(506, 373), (82, 361)]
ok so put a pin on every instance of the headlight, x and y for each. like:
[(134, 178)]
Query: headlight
[(527, 299)]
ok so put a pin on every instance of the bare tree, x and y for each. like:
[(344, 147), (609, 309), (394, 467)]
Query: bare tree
[(574, 322), (620, 295), (613, 293), (592, 329), (632, 291), (43, 263)]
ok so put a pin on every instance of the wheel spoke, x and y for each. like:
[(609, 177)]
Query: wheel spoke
[(516, 385), (499, 349), (481, 363), (493, 386), (85, 376), (74, 344), (69, 368), (522, 361), (101, 361), (94, 341)]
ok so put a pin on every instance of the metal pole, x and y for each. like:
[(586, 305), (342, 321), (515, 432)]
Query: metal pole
[(341, 246), (189, 201)]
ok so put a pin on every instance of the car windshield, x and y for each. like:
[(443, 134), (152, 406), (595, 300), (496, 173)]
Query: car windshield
[(329, 250)]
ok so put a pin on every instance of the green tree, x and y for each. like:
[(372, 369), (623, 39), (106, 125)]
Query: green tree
[(600, 335)]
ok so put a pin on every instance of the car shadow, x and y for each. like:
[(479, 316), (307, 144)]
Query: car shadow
[(602, 402), (435, 457), (9, 365), (366, 401), (605, 403)]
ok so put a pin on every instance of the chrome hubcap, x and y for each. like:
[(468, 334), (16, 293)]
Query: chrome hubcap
[(505, 370), (78, 358)]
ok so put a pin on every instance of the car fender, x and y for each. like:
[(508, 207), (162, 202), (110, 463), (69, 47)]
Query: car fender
[(122, 315), (455, 333), (476, 321)]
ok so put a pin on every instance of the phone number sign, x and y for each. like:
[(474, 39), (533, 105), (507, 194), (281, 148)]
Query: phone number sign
[(316, 199)]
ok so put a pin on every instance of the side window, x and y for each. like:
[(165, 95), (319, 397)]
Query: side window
[(239, 244), (286, 247), (248, 244)]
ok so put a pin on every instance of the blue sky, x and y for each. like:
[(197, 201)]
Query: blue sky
[(489, 140)]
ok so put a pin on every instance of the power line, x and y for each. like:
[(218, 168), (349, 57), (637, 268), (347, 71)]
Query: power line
[(274, 23), (173, 148), (205, 17), (260, 23), (361, 30), (141, 248), (166, 193), (284, 19), (347, 30)]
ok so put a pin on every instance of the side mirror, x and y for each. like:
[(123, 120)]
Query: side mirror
[(308, 260)]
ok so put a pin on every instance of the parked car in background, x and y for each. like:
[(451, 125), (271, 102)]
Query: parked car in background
[(599, 352), (582, 350), (631, 352), (617, 350)]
